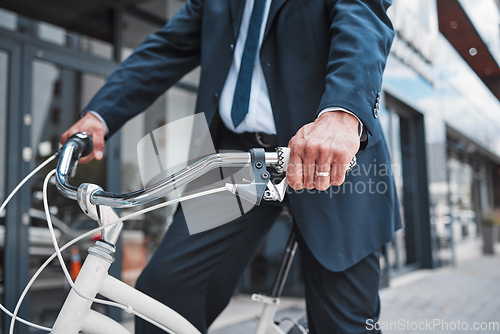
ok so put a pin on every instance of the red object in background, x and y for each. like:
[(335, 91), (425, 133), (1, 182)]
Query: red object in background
[(76, 263)]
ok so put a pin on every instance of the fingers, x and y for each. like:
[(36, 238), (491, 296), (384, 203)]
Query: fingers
[(294, 174), (307, 157), (317, 167), (87, 159), (98, 139), (338, 172), (320, 153), (95, 128), (309, 166), (64, 137)]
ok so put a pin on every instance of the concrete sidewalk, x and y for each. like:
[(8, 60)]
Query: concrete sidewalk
[(465, 299)]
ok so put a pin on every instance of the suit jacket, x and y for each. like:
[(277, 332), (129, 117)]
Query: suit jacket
[(315, 54)]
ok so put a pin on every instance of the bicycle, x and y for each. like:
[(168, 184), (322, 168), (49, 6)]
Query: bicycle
[(76, 314)]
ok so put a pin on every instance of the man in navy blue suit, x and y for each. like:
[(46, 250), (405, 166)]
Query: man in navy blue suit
[(306, 74)]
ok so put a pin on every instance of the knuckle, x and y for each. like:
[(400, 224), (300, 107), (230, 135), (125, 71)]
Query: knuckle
[(99, 144), (295, 145), (314, 146), (340, 153), (324, 152), (311, 150)]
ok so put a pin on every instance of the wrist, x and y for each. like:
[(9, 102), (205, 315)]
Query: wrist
[(339, 117)]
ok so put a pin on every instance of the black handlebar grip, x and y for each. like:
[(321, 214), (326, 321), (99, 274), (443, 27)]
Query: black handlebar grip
[(85, 143)]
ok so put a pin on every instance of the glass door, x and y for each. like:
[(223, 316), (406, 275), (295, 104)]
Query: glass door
[(42, 91), (59, 90)]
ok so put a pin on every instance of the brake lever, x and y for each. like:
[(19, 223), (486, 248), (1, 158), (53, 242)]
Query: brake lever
[(275, 192), (262, 187)]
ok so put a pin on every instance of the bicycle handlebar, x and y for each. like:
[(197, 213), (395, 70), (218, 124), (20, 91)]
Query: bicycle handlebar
[(80, 144), (77, 146)]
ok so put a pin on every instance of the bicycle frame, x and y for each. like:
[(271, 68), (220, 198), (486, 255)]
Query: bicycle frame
[(266, 324), (76, 314)]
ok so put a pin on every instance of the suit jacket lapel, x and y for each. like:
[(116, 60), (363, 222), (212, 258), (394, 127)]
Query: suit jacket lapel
[(237, 7), (273, 11)]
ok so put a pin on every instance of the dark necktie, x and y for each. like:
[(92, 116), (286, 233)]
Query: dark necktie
[(241, 97)]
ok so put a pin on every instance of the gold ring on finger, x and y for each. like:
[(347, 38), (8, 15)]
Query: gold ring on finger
[(321, 173)]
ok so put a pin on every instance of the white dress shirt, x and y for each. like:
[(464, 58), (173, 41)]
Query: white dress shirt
[(260, 114)]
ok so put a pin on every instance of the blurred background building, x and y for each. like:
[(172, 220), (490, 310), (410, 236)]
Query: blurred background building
[(440, 112)]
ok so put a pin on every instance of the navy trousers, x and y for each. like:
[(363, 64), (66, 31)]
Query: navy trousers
[(197, 274)]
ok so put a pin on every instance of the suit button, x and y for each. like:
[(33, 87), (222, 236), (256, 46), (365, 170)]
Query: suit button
[(216, 97), (231, 47), (377, 106)]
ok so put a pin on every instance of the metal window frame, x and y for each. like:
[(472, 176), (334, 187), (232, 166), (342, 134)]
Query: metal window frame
[(418, 178), (16, 257)]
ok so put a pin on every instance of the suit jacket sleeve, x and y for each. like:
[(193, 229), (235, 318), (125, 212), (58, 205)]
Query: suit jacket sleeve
[(158, 63), (361, 36)]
